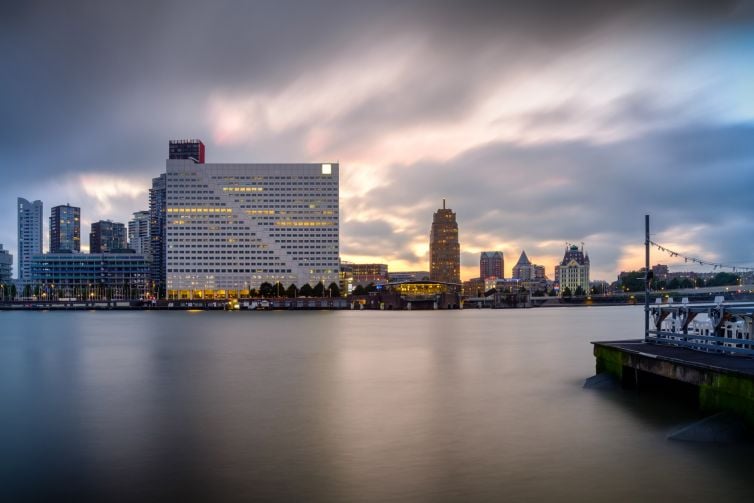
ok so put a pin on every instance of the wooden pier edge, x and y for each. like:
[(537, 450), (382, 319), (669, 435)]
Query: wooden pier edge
[(721, 383)]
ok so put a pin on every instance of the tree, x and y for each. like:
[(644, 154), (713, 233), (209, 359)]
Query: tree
[(278, 289), (579, 291), (687, 283), (359, 290), (723, 279), (306, 290), (291, 291), (371, 287), (333, 290), (319, 290), (567, 292), (266, 289), (674, 284)]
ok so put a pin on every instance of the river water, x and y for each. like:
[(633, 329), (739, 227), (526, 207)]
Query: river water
[(473, 405)]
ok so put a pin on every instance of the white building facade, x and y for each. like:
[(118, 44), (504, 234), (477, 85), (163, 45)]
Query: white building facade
[(232, 227), (138, 233)]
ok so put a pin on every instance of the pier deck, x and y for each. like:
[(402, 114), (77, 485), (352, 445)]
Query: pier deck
[(721, 382)]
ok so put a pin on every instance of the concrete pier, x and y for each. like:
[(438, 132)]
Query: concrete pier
[(717, 382)]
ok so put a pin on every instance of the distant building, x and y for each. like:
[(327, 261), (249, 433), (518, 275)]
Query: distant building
[(89, 276), (364, 274), (157, 234), (107, 237), (491, 264), (65, 229), (473, 287), (345, 278), (138, 234), (573, 270), (6, 268), (29, 236), (527, 271), (444, 248), (403, 276), (186, 149)]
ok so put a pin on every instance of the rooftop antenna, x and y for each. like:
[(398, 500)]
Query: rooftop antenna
[(443, 204)]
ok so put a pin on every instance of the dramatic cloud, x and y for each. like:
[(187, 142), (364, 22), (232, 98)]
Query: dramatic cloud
[(540, 122)]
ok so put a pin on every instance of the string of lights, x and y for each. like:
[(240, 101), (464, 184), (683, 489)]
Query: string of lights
[(696, 260)]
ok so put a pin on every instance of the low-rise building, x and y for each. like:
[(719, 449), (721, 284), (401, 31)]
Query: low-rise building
[(6, 266), (364, 274), (88, 276)]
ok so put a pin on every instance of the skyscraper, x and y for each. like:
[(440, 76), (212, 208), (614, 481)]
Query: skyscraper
[(65, 229), (138, 233), (107, 237), (444, 249), (157, 244), (186, 149), (29, 236), (491, 265), (523, 268)]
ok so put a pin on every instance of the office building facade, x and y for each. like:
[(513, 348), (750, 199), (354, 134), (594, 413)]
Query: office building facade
[(365, 274), (491, 264), (157, 230), (107, 237), (231, 227), (192, 150), (89, 276), (29, 235), (65, 229), (444, 248)]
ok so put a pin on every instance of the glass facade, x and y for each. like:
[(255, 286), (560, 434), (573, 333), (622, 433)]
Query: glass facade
[(65, 229)]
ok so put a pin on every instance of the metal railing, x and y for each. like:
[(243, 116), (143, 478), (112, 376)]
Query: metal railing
[(714, 327)]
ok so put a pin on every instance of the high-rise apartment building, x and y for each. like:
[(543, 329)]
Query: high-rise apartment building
[(29, 236), (6, 269), (573, 270), (186, 149), (107, 237), (491, 265), (65, 229), (138, 233), (157, 229), (231, 227), (444, 248)]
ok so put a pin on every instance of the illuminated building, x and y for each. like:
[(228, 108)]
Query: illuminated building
[(491, 264), (89, 276), (364, 274), (231, 227), (29, 236), (65, 229), (573, 270), (444, 249), (107, 236), (403, 276)]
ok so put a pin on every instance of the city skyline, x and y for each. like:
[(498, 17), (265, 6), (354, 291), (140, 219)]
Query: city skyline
[(536, 133)]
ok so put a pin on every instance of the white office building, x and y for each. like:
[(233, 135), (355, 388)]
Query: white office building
[(232, 227), (138, 233)]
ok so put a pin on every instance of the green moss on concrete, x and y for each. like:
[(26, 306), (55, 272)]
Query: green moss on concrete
[(609, 360), (728, 393)]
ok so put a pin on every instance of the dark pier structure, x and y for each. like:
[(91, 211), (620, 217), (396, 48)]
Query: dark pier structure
[(702, 351)]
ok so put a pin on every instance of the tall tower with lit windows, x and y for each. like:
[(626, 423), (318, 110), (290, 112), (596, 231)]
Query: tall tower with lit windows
[(444, 248)]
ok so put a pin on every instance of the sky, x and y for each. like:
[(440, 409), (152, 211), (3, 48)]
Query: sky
[(540, 124)]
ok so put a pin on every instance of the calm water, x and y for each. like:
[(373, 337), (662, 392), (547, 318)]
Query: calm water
[(474, 405)]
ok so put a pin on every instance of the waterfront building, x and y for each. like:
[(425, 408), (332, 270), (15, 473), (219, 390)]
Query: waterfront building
[(192, 150), (29, 236), (573, 270), (232, 227), (473, 287), (444, 248), (157, 238), (6, 266), (403, 276), (65, 229), (89, 276), (491, 264), (107, 236), (345, 278), (364, 274), (138, 233)]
